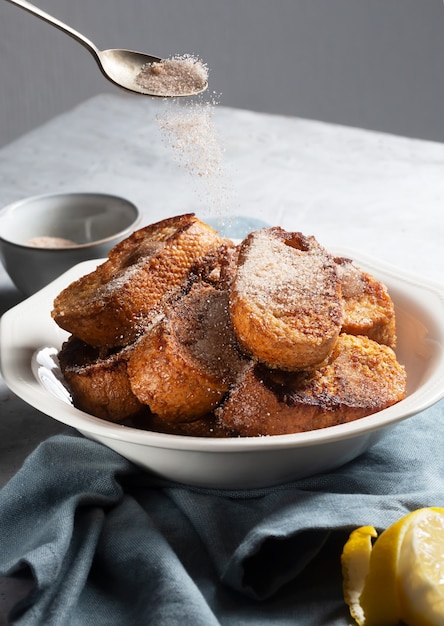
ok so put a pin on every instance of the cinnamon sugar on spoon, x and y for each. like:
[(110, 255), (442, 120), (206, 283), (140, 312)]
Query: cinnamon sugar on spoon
[(178, 76)]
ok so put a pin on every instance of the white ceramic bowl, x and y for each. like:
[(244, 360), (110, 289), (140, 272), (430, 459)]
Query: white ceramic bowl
[(29, 340), (95, 222)]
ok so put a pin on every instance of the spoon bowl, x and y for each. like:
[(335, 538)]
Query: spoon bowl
[(119, 66), (122, 67)]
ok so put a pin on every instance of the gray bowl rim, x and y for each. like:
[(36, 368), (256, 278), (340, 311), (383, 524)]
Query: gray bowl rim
[(97, 242)]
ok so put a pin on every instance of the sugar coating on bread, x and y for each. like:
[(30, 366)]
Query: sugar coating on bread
[(359, 378), (184, 364), (218, 267), (109, 306), (286, 299), (367, 305)]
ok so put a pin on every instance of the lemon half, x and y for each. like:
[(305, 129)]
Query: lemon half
[(401, 575)]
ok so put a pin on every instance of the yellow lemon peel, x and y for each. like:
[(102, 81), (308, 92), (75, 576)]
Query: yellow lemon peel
[(355, 564), (403, 572)]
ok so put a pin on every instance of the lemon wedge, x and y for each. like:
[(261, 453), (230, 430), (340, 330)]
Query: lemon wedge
[(355, 565), (401, 575), (421, 568)]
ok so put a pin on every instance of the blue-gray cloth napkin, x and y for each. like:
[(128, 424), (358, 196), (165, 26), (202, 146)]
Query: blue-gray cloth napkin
[(108, 544)]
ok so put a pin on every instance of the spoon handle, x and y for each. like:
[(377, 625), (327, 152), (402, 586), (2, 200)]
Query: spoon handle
[(27, 6)]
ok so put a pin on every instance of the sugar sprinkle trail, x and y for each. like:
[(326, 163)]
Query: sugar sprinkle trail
[(188, 128), (191, 133)]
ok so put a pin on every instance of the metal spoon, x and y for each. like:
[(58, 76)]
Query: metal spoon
[(121, 67)]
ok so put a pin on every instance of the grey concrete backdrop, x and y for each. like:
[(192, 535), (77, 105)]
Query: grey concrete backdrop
[(375, 64)]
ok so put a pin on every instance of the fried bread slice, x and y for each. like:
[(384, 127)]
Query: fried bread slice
[(218, 267), (368, 307), (98, 381), (359, 378), (183, 365), (109, 306), (286, 303)]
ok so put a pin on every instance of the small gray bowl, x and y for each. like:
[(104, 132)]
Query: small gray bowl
[(93, 222)]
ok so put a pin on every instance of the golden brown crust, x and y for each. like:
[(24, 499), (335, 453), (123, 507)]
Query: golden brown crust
[(368, 308), (99, 383), (184, 364), (361, 377), (109, 306), (286, 299)]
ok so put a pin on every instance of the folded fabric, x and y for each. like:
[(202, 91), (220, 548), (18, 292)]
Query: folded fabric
[(107, 543)]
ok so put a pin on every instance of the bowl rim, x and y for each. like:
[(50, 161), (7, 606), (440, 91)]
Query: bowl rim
[(75, 194), (18, 375)]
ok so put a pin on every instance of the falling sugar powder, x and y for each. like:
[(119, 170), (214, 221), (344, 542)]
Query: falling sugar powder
[(179, 76), (188, 128), (190, 132)]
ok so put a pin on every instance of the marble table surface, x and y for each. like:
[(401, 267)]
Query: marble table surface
[(380, 194)]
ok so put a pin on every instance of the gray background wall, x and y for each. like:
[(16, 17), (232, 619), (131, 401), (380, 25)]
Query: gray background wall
[(375, 64)]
